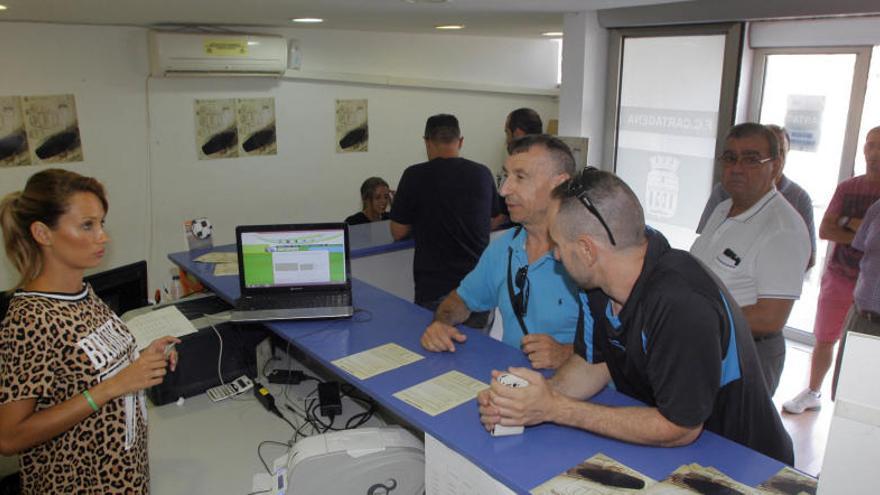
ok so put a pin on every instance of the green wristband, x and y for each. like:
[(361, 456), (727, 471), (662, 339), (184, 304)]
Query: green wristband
[(91, 401)]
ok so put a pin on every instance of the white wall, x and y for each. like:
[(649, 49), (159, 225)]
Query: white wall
[(479, 59), (104, 68), (154, 176), (815, 32), (705, 12), (584, 76)]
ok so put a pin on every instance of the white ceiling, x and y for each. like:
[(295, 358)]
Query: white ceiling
[(520, 18)]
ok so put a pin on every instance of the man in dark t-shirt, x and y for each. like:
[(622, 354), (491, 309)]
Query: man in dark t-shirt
[(520, 122), (447, 204), (666, 332)]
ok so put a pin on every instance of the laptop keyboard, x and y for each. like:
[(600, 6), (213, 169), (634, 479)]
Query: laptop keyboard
[(297, 301)]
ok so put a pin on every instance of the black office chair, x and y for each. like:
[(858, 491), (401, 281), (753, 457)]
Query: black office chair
[(123, 288), (4, 305), (11, 484)]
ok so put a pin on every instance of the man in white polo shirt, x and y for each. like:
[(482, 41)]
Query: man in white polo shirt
[(756, 242)]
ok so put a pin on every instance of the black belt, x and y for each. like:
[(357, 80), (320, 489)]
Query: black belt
[(766, 337)]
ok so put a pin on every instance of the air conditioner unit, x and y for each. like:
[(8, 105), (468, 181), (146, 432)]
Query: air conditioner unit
[(216, 54)]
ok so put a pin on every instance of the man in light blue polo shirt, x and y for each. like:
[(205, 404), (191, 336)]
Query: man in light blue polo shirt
[(540, 304)]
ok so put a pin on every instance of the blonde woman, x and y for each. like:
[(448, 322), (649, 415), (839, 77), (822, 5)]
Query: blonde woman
[(72, 380)]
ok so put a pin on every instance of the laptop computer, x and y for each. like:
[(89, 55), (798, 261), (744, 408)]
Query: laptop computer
[(296, 271)]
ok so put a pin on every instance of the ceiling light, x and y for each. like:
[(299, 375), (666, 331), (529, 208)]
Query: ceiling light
[(2, 7), (553, 34), (449, 27), (307, 20)]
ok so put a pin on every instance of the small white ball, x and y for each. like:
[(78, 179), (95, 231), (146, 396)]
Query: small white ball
[(202, 228)]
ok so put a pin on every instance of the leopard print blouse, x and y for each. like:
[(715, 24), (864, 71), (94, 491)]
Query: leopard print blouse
[(52, 347)]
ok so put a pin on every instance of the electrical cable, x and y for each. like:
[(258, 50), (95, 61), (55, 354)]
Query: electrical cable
[(267, 363), (260, 453), (219, 355), (311, 404), (237, 398)]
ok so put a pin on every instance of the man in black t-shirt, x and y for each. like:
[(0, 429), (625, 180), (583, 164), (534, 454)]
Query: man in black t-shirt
[(447, 203), (520, 122), (666, 332)]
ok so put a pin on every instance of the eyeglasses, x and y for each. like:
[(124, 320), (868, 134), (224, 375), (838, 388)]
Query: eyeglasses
[(751, 161), (521, 298), (577, 188)]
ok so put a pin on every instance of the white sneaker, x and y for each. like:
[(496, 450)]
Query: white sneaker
[(803, 401)]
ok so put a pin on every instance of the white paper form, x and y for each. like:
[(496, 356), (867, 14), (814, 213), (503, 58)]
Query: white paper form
[(442, 393), (223, 269), (369, 363), (218, 257), (159, 323)]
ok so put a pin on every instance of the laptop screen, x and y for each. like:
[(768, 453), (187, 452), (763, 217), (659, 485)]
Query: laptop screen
[(277, 257)]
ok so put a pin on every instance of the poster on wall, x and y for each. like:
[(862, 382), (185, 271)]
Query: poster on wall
[(256, 126), (13, 137), (216, 129), (352, 130), (803, 121), (52, 129), (230, 128)]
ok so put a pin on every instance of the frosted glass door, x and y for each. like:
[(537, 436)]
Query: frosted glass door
[(811, 95), (667, 125)]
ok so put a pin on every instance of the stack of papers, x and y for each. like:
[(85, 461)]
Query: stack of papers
[(789, 482), (694, 478), (218, 257), (226, 263), (598, 475)]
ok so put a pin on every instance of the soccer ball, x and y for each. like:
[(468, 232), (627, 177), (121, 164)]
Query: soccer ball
[(202, 228)]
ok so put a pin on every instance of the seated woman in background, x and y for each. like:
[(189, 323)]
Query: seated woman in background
[(376, 196), (71, 377)]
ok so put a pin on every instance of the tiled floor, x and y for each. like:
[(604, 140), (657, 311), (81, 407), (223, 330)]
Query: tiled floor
[(809, 431)]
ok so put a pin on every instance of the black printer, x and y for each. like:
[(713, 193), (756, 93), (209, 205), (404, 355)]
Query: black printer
[(199, 353)]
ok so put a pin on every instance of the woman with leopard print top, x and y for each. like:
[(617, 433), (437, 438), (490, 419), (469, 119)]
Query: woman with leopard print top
[(71, 377)]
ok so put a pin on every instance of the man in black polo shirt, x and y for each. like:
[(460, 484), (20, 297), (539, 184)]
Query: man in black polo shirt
[(666, 332), (447, 203)]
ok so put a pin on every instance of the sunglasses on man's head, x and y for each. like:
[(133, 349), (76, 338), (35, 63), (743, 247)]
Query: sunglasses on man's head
[(577, 188)]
